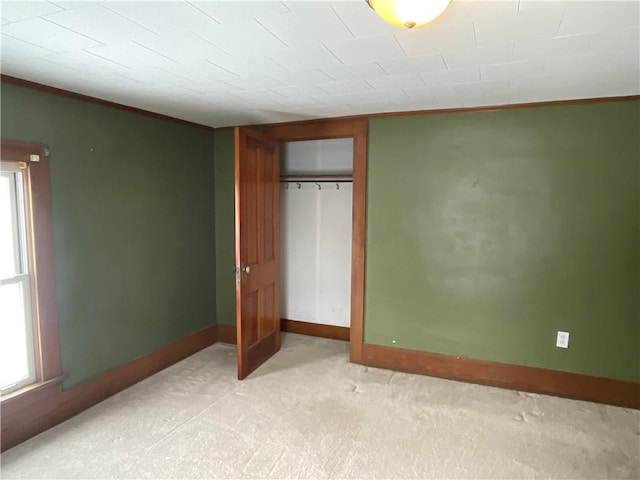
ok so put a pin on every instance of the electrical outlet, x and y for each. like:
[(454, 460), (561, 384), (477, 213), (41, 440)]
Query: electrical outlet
[(562, 341)]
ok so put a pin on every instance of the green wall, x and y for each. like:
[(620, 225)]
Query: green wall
[(225, 227), (488, 232), (133, 213)]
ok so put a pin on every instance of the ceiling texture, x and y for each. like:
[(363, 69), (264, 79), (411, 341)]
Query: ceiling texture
[(239, 62)]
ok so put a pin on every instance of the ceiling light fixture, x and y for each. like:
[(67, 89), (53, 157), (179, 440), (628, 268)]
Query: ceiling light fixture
[(408, 13)]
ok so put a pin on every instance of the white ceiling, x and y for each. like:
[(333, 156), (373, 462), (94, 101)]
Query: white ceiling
[(246, 62)]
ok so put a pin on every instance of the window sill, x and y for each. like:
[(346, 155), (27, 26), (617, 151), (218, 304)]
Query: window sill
[(29, 396)]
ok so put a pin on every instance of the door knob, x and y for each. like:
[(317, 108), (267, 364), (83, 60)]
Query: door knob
[(247, 269)]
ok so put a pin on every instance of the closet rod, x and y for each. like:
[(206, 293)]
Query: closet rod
[(316, 175), (317, 180)]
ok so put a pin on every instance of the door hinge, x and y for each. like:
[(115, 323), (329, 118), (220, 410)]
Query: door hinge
[(22, 165)]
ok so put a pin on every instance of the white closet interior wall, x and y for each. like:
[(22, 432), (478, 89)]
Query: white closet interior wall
[(315, 234)]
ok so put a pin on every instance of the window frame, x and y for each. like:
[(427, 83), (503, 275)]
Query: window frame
[(22, 276), (38, 214)]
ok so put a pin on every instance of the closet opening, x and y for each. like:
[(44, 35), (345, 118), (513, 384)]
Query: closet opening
[(322, 181), (316, 223)]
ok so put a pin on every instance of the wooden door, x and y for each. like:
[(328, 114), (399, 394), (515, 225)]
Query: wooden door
[(257, 194)]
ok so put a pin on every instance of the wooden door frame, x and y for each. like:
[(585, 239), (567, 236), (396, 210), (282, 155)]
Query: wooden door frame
[(357, 130)]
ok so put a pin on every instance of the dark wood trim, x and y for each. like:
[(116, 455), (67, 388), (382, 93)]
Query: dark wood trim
[(341, 128), (16, 151), (515, 377), (38, 210), (86, 98), (30, 396), (314, 329), (513, 106), (313, 129), (238, 144), (358, 239), (98, 101), (45, 280), (226, 333), (27, 415)]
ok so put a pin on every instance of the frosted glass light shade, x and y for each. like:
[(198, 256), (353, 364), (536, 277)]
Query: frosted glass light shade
[(408, 13)]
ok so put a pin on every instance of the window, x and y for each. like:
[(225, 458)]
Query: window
[(29, 350), (17, 365)]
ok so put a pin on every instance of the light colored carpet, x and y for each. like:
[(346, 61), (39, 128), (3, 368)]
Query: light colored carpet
[(308, 413)]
